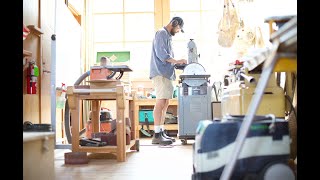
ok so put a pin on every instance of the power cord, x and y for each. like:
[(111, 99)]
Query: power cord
[(291, 105)]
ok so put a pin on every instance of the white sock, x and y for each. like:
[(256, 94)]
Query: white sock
[(162, 127), (156, 129)]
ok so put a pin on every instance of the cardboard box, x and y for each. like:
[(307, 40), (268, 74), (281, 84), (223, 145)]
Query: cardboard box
[(111, 139), (216, 109), (146, 112), (105, 126)]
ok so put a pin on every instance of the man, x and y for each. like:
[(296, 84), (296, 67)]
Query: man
[(162, 73)]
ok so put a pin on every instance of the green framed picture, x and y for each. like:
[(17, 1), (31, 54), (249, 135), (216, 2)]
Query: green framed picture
[(115, 56)]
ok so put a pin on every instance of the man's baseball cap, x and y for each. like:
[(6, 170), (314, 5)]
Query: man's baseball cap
[(179, 22)]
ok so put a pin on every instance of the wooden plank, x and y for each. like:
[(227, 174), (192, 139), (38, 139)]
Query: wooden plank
[(121, 125), (152, 102), (133, 123), (102, 149), (102, 90), (167, 126), (75, 124), (34, 29), (27, 53), (95, 116)]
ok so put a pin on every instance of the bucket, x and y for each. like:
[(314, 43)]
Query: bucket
[(60, 102)]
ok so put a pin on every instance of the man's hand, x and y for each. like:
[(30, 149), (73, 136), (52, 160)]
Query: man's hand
[(181, 61)]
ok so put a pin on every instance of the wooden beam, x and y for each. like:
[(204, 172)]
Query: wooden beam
[(157, 14), (75, 13), (165, 12)]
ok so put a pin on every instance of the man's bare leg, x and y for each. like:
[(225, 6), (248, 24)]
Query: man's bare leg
[(164, 111), (157, 115), (163, 117)]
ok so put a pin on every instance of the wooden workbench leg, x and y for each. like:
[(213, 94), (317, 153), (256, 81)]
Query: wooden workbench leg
[(132, 120), (121, 132), (136, 120), (95, 116), (129, 113), (75, 118)]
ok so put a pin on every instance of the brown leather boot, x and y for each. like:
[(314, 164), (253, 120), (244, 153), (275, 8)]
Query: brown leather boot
[(159, 139)]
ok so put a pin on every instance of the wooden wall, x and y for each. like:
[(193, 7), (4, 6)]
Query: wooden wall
[(40, 13), (31, 16)]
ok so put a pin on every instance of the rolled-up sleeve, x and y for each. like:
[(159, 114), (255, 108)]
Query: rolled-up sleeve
[(161, 46)]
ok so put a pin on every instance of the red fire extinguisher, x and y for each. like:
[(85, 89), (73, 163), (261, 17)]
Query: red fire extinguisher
[(32, 76)]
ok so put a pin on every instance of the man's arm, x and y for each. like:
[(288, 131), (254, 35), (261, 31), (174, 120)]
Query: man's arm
[(181, 61)]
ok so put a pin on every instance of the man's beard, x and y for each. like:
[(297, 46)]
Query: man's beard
[(172, 32)]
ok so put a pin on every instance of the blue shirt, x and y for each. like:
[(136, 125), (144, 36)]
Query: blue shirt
[(162, 51)]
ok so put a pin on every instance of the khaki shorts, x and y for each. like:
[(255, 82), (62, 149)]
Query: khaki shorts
[(163, 87)]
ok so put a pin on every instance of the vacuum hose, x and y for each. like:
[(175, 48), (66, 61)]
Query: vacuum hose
[(67, 111), (250, 79), (82, 77)]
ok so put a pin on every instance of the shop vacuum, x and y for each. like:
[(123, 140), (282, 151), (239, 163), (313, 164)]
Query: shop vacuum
[(264, 155)]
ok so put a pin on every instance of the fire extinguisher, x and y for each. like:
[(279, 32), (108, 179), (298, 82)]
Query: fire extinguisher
[(32, 76)]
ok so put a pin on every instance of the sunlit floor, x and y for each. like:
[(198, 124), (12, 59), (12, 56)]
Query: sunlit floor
[(151, 162)]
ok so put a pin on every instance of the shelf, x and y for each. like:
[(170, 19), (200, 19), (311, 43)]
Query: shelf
[(168, 127), (37, 31), (152, 102), (104, 149), (138, 103), (27, 53)]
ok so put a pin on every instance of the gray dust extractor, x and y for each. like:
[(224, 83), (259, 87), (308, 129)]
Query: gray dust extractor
[(194, 100)]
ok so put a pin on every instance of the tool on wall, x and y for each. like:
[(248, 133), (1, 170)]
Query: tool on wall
[(32, 77)]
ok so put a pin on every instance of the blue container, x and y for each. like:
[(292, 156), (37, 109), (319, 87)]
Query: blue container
[(143, 113)]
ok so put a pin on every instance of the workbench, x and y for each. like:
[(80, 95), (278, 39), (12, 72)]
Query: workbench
[(138, 103), (38, 155), (97, 91)]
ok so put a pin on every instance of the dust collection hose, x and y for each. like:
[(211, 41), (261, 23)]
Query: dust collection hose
[(67, 111)]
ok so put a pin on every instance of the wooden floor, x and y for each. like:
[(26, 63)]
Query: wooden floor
[(151, 162)]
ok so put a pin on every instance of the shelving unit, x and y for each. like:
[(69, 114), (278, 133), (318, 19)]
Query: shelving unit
[(35, 30), (150, 103), (27, 53)]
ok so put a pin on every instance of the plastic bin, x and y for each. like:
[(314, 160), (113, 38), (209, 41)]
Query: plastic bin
[(143, 113)]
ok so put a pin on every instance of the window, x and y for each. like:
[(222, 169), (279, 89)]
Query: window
[(124, 26), (129, 25)]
